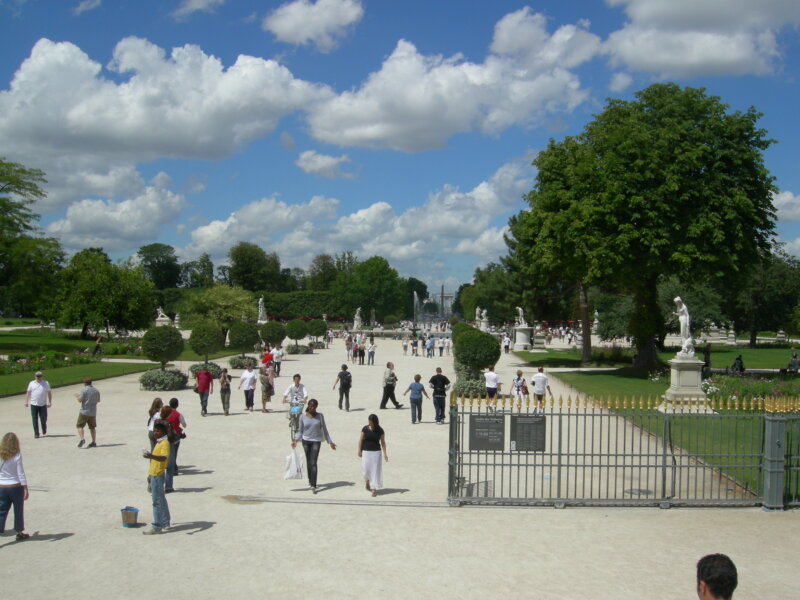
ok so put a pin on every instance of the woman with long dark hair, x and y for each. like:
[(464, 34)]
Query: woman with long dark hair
[(13, 485), (310, 430), (154, 412), (370, 445)]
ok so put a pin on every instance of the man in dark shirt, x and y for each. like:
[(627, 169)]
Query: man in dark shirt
[(440, 385), (345, 381)]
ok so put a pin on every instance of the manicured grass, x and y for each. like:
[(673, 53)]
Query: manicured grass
[(15, 322), (627, 381), (18, 382), (189, 354)]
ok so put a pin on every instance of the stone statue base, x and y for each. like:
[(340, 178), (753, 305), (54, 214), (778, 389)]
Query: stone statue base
[(261, 321), (685, 377), (731, 339), (484, 326), (357, 325), (162, 322), (522, 338)]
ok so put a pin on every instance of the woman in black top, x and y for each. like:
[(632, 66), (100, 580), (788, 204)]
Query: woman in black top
[(370, 445)]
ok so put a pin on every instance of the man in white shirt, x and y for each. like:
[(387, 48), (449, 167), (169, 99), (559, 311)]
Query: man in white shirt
[(492, 387), (539, 386), (277, 358), (248, 379), (39, 397)]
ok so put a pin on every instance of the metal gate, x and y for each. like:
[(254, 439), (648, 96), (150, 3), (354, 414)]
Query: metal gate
[(619, 452)]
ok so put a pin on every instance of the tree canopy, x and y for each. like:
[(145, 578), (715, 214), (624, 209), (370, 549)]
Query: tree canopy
[(160, 265), (670, 183)]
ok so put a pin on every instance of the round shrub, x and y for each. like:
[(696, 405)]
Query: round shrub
[(298, 349), (206, 338), (272, 332), (212, 367), (476, 349), (162, 344), (243, 336), (240, 362), (296, 330), (459, 328), (317, 328), (161, 380), (317, 345)]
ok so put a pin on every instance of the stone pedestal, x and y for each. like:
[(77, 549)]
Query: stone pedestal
[(731, 338), (538, 341), (484, 326), (163, 322), (685, 377), (522, 338)]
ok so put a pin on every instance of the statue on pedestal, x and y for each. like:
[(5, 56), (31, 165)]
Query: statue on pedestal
[(521, 318), (262, 311), (687, 342)]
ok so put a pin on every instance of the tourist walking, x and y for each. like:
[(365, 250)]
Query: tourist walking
[(405, 345), (248, 379), (204, 384), (492, 387), (540, 384), (310, 431), (371, 444), (225, 390), (371, 352), (389, 381), (39, 397), (417, 390), (155, 414), (13, 485), (267, 379), (277, 359), (440, 384), (345, 381), (156, 479), (519, 388), (88, 398)]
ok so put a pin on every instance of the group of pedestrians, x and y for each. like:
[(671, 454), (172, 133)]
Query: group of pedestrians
[(430, 343), (519, 388)]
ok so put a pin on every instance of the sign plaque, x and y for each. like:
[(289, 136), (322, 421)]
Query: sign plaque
[(487, 432), (528, 433)]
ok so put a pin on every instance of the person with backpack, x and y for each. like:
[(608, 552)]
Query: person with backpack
[(345, 381)]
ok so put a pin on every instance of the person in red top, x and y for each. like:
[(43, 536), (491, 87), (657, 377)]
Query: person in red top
[(205, 386), (178, 423), (267, 355)]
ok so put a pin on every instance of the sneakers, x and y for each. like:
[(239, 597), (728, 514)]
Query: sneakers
[(81, 443), (92, 445), (153, 531), (399, 406), (36, 435), (22, 536)]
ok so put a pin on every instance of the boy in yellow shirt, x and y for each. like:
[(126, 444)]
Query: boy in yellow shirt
[(156, 475)]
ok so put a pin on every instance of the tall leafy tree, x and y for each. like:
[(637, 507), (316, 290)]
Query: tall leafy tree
[(253, 269), (28, 261), (160, 265), (221, 304), (321, 273), (198, 273), (379, 287), (670, 183)]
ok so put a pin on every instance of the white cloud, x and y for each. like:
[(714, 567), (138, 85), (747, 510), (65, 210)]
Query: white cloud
[(86, 5), (63, 116), (322, 165), (691, 38), (787, 206), (416, 102), (792, 247), (322, 23), (117, 225), (620, 82), (188, 7)]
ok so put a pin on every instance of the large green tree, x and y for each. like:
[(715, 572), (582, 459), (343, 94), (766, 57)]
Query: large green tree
[(28, 261), (221, 304), (198, 273), (253, 269), (668, 184), (321, 273), (379, 287), (160, 265)]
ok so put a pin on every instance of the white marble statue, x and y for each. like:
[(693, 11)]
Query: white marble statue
[(687, 342), (161, 316), (521, 318), (262, 310), (485, 315), (477, 313)]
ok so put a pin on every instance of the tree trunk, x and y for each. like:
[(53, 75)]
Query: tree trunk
[(85, 331), (646, 323), (586, 328)]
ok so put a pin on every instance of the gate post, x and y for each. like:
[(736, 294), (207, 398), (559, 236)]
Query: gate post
[(774, 459), (452, 470)]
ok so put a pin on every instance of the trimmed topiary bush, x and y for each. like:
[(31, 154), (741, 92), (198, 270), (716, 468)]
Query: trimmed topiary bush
[(162, 344), (317, 328), (476, 349), (243, 336), (161, 380), (296, 330), (240, 362), (206, 337), (317, 345), (212, 367), (272, 332)]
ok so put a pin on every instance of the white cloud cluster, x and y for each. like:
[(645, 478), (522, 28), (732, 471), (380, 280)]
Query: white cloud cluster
[(323, 165), (416, 102), (188, 7), (85, 6), (787, 206), (322, 23), (448, 222), (117, 225), (687, 38)]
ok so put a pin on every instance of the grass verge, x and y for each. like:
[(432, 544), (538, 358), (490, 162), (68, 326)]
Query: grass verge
[(18, 382)]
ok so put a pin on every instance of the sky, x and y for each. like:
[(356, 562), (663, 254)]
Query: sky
[(403, 129)]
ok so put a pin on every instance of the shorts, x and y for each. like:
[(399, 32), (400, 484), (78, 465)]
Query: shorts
[(491, 392), (86, 420), (539, 397)]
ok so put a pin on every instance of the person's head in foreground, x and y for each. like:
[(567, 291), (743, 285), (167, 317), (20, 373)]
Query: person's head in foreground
[(716, 577)]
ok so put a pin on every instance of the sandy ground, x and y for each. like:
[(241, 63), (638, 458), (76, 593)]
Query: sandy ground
[(241, 530)]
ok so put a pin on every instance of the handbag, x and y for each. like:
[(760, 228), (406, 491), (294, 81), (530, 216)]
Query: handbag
[(294, 466)]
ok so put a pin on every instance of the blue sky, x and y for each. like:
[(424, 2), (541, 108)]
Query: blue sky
[(400, 129)]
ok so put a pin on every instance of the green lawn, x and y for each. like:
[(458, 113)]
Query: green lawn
[(15, 322), (18, 382), (42, 340)]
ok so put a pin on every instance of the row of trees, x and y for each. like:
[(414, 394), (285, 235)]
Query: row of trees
[(95, 293), (663, 195)]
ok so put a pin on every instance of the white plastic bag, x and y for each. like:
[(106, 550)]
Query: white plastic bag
[(294, 466)]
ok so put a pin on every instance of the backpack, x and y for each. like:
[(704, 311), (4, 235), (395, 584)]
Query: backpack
[(346, 379)]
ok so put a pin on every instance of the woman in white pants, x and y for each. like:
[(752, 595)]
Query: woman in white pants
[(370, 445)]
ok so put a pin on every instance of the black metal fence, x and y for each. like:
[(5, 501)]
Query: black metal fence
[(624, 452)]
